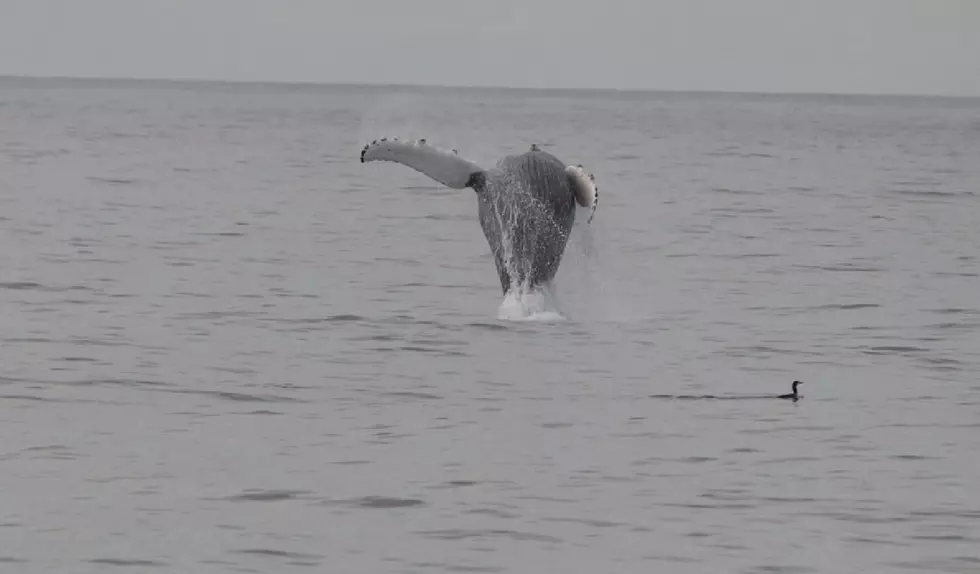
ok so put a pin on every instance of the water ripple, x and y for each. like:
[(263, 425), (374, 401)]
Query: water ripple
[(127, 562), (376, 502), (454, 534)]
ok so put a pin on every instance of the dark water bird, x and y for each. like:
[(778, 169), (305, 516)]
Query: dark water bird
[(794, 396)]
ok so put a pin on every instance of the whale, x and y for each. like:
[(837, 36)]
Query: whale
[(526, 204)]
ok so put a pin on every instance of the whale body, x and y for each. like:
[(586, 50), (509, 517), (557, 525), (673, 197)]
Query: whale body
[(526, 203)]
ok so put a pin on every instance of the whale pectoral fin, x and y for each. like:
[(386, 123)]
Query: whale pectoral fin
[(446, 167), (583, 184)]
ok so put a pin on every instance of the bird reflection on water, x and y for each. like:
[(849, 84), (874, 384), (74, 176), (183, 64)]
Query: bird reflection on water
[(793, 396)]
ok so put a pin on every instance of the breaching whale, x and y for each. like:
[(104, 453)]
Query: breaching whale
[(526, 204)]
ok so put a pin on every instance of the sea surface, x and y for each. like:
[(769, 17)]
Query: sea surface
[(228, 346)]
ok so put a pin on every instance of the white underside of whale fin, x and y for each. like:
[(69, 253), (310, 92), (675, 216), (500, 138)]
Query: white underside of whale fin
[(444, 166), (583, 183)]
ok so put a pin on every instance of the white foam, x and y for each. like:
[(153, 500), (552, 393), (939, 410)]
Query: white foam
[(530, 305)]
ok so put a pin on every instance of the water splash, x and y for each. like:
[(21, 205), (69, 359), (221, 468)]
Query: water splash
[(522, 304), (587, 286), (594, 276)]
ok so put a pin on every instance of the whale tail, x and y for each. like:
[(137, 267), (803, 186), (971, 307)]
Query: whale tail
[(583, 184), (444, 166)]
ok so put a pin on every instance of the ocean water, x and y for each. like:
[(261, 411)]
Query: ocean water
[(228, 346)]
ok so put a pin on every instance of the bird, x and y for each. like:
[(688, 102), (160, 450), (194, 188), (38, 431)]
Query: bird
[(795, 395)]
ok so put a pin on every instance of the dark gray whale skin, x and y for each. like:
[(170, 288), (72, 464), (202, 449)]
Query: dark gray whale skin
[(526, 208)]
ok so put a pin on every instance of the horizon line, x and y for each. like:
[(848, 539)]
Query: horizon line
[(465, 87)]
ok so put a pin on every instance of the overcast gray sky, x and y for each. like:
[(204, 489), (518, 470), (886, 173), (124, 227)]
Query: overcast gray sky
[(842, 46)]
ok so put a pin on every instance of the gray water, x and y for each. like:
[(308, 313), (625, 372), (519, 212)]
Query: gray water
[(227, 346)]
